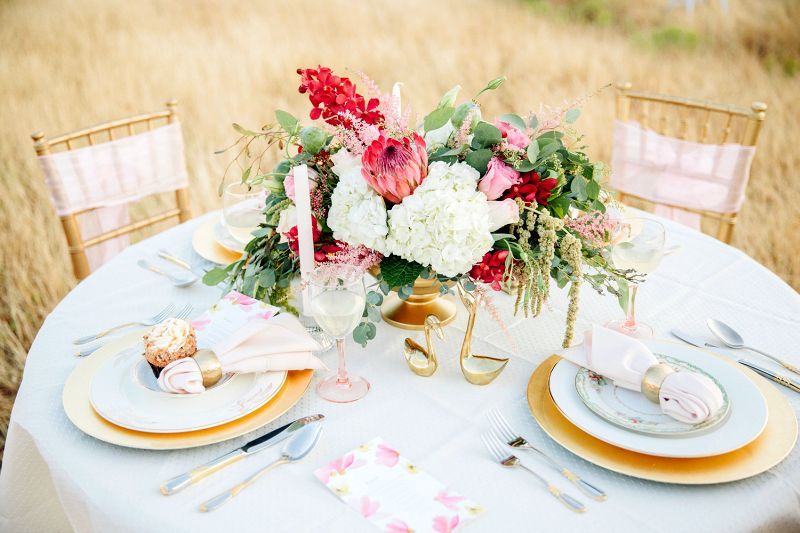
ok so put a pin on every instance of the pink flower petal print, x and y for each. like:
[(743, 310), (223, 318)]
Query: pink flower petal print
[(386, 456), (266, 315), (398, 526), (237, 298), (200, 324), (338, 467), (442, 525), (368, 507), (451, 502)]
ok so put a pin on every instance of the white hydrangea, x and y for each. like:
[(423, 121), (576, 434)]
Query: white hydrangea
[(357, 214), (444, 224)]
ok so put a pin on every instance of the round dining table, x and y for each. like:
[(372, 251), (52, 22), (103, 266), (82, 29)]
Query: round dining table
[(56, 478)]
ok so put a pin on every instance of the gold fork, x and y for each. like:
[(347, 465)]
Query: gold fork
[(495, 447), (515, 440)]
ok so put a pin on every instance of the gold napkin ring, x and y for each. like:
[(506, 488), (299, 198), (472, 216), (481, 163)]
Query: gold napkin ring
[(210, 367), (652, 380)]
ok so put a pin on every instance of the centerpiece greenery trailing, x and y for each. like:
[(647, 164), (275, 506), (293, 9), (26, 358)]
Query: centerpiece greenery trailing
[(509, 204)]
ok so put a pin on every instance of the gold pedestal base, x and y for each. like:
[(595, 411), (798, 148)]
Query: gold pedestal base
[(424, 301)]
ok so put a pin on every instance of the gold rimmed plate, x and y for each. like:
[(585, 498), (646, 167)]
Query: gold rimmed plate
[(207, 246), (769, 449), (75, 399)]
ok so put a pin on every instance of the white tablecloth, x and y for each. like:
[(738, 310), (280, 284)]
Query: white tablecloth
[(55, 478)]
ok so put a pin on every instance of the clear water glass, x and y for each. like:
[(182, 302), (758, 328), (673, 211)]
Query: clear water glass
[(242, 210)]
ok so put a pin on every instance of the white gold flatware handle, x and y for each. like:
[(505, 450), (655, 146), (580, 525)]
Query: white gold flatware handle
[(87, 351), (571, 503), (90, 338), (171, 486), (219, 500), (788, 366), (173, 259), (589, 489)]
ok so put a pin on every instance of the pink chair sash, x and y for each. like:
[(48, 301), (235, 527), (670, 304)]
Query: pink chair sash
[(665, 170), (108, 176)]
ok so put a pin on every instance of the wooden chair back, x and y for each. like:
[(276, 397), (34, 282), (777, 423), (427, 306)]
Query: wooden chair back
[(691, 120), (100, 133)]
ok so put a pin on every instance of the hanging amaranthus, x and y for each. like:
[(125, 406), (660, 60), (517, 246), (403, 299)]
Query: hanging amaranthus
[(571, 253)]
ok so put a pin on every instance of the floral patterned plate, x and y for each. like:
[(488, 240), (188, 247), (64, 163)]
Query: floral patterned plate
[(631, 410)]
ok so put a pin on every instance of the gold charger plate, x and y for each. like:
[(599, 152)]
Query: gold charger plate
[(75, 399), (769, 449), (207, 247)]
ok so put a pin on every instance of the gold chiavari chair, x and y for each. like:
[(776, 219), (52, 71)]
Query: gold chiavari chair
[(92, 136), (691, 120)]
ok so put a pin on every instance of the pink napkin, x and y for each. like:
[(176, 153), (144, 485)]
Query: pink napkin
[(685, 396), (278, 343)]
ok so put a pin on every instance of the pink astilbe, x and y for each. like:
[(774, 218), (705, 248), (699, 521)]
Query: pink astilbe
[(355, 134), (594, 228), (461, 137), (485, 300), (344, 254)]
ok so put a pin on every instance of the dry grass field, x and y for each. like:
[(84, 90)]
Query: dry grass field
[(71, 63)]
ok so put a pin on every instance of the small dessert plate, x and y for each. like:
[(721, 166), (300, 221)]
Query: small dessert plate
[(120, 393), (631, 410)]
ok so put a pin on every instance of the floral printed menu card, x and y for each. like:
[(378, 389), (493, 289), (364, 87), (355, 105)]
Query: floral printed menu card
[(389, 491), (226, 316)]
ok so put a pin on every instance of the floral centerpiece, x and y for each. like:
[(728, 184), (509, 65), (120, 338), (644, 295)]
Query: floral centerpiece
[(507, 204)]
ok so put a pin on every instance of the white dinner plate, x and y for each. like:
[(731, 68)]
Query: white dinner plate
[(224, 238), (746, 421), (631, 410), (122, 392)]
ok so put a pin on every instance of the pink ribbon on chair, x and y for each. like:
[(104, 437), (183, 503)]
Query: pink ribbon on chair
[(108, 176), (665, 170)]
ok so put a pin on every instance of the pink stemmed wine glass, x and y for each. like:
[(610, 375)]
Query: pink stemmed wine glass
[(338, 298)]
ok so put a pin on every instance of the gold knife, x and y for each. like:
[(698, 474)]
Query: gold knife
[(772, 376), (182, 481)]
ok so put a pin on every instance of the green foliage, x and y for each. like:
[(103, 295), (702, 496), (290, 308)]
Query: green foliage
[(287, 121), (461, 113), (364, 333), (437, 118), (479, 160), (514, 120), (486, 135), (243, 131), (397, 272), (312, 139), (572, 115), (449, 98)]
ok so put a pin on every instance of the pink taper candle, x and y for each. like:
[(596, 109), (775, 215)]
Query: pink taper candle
[(305, 239)]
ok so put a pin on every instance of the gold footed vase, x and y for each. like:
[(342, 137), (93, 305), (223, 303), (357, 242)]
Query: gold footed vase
[(424, 301)]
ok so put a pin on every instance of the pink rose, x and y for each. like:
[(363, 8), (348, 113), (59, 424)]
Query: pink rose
[(498, 178), (513, 136), (502, 213), (288, 182)]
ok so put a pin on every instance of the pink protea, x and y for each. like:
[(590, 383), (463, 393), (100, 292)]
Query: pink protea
[(395, 167)]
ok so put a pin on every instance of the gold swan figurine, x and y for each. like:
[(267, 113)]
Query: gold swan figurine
[(477, 369), (422, 361)]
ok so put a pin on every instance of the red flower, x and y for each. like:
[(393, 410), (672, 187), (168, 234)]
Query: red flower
[(331, 95), (292, 237), (532, 187), (395, 167), (491, 269)]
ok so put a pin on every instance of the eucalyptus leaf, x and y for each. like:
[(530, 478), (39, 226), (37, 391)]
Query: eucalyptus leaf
[(546, 150), (533, 122), (287, 121), (266, 278), (514, 120), (486, 135), (578, 188), (572, 115), (437, 118), (524, 165), (533, 152), (593, 190), (215, 276), (479, 160), (374, 298)]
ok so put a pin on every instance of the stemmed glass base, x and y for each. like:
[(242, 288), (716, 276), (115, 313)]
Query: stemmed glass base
[(637, 330), (350, 389)]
